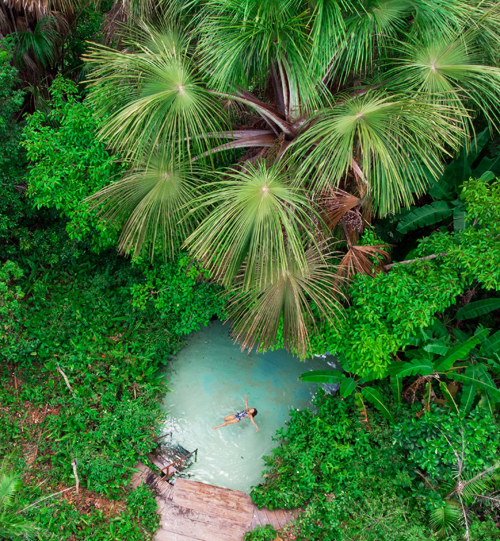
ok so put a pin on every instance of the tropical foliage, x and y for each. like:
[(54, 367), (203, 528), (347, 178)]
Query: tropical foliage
[(346, 110), (261, 161), (355, 480), (62, 147), (67, 303)]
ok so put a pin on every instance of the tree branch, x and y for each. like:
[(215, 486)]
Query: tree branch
[(466, 519), (433, 256), (65, 378), (74, 463), (43, 499), (496, 500)]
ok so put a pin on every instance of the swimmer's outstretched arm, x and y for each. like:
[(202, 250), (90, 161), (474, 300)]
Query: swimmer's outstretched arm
[(246, 402), (251, 419)]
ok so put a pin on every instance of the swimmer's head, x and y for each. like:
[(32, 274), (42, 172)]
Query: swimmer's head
[(253, 412)]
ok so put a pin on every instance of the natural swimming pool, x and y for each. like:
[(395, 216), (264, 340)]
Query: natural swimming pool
[(209, 378)]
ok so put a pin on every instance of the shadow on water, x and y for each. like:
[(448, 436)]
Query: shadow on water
[(209, 378)]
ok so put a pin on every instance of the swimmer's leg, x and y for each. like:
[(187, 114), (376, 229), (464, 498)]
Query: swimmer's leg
[(229, 417), (232, 421)]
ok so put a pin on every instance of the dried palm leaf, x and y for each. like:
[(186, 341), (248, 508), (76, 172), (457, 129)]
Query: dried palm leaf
[(358, 260), (40, 8), (335, 205)]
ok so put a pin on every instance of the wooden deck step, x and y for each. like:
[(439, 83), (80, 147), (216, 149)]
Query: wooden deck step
[(146, 476), (231, 505), (172, 452), (193, 511), (199, 525), (196, 486), (163, 535), (277, 519), (158, 461), (161, 463)]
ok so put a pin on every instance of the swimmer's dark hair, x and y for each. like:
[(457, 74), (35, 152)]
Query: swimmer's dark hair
[(254, 414)]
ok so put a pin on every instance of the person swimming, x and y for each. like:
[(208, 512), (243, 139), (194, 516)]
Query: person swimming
[(237, 417)]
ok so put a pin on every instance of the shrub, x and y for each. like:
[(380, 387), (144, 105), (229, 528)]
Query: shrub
[(261, 533)]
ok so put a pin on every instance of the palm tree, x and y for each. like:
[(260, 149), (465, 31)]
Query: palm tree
[(353, 106), (35, 51), (459, 495), (12, 524)]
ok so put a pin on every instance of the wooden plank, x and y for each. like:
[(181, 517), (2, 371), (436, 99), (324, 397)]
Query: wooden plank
[(232, 499), (262, 517), (174, 512), (162, 535), (142, 470), (200, 525), (196, 486), (214, 508), (223, 500), (275, 523), (272, 519), (255, 520), (281, 517), (278, 519), (158, 461)]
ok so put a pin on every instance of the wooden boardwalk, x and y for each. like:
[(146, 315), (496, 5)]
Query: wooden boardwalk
[(192, 511)]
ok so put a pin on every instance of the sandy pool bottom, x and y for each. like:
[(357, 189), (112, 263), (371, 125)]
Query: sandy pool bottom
[(209, 378)]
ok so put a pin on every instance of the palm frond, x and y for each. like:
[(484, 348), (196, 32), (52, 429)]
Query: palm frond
[(9, 484), (41, 43), (393, 142), (447, 70), (17, 527), (443, 17), (257, 215), (370, 29), (152, 97), (327, 33), (446, 518), (286, 301), (240, 40), (152, 203)]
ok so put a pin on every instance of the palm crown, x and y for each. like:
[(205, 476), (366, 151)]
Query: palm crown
[(353, 107)]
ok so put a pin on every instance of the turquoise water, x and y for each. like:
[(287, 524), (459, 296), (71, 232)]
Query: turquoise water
[(209, 378)]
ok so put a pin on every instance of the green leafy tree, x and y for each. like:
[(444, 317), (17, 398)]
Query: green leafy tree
[(12, 158), (68, 163), (353, 108)]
